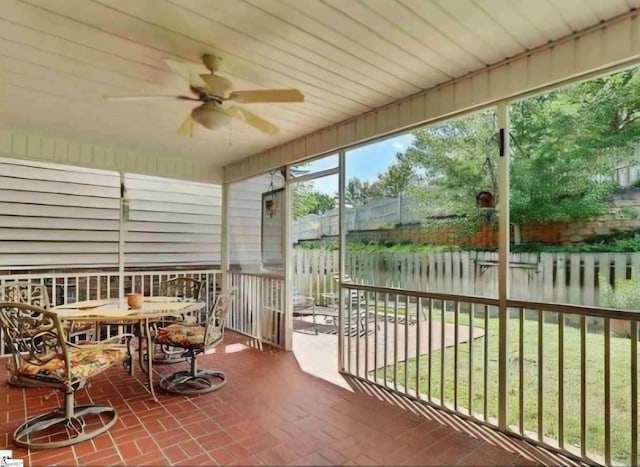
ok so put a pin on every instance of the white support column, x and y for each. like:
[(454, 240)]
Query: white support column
[(503, 260), (224, 253), (342, 232), (124, 212), (288, 264)]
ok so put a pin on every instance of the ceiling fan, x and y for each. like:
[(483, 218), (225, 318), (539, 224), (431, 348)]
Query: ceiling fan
[(212, 91)]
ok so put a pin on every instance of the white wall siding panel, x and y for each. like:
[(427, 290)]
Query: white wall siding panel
[(57, 215), (8, 183), (613, 43), (172, 221), (19, 221), (37, 210), (49, 260), (43, 148), (32, 197), (155, 227), (52, 235)]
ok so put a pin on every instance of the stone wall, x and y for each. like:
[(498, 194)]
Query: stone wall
[(557, 233)]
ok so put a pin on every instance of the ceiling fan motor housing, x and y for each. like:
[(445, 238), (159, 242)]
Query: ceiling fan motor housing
[(218, 86)]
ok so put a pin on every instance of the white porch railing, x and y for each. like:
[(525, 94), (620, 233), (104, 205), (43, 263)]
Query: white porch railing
[(560, 375), (72, 287), (258, 310)]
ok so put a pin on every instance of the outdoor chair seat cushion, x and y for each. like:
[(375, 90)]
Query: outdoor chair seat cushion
[(184, 335), (84, 361)]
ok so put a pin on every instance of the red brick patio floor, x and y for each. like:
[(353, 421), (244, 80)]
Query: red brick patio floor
[(269, 413)]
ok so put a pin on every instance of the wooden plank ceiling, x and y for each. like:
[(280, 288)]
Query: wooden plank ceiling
[(59, 57)]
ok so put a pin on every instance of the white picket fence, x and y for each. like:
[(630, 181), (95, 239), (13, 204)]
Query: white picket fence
[(542, 277)]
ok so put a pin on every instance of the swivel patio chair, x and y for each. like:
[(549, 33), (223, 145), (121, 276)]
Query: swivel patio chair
[(196, 339), (43, 357), (36, 295), (184, 288)]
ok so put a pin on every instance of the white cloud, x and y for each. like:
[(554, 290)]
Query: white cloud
[(398, 146)]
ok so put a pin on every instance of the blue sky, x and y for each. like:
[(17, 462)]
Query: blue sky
[(364, 163)]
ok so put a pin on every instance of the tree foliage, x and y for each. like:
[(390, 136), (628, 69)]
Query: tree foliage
[(307, 200), (564, 147)]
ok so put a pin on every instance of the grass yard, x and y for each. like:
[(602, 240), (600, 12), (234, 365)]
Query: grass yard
[(595, 387)]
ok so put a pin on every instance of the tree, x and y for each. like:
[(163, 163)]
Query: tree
[(565, 145), (306, 200), (357, 192), (454, 159), (395, 181)]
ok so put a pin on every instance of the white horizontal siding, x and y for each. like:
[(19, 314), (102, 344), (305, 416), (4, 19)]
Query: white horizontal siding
[(46, 223), (611, 43), (56, 215), (42, 186), (21, 260), (58, 247), (144, 227), (172, 221), (52, 199), (36, 210), (57, 235)]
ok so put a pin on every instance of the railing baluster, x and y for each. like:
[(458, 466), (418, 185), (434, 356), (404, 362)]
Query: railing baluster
[(54, 296), (583, 386), (607, 391), (357, 333), (485, 368), (442, 350), (418, 332), (346, 328), (386, 337), (366, 333), (456, 317), (430, 337), (634, 393), (406, 344), (472, 309), (561, 380), (521, 370), (375, 338), (540, 374), (395, 342)]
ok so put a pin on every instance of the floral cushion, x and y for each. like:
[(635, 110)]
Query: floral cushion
[(183, 336), (84, 362)]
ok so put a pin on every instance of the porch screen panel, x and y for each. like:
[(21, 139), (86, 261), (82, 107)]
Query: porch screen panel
[(54, 215), (246, 221), (171, 222)]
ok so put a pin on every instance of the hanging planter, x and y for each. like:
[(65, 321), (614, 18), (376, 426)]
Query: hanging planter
[(485, 199)]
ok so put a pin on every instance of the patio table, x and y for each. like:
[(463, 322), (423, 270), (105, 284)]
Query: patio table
[(113, 311)]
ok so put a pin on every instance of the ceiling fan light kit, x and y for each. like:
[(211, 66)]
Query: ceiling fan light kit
[(210, 116), (213, 91)]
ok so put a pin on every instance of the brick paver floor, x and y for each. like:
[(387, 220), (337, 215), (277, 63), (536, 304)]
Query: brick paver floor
[(269, 413)]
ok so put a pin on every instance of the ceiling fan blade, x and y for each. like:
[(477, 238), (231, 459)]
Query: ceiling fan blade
[(189, 72), (150, 98), (267, 95), (187, 127), (252, 119)]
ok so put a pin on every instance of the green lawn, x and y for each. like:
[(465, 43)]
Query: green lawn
[(620, 381)]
